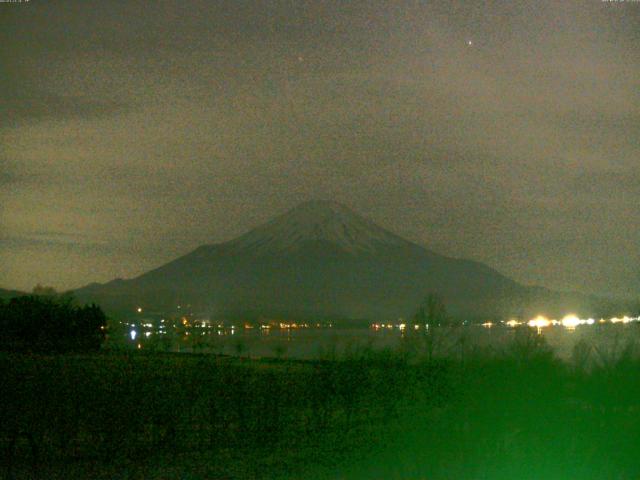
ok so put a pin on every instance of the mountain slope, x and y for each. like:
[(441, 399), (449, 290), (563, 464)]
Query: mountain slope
[(319, 259)]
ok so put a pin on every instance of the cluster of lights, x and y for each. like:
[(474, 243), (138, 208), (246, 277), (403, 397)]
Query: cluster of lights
[(187, 323), (400, 326), (286, 326), (570, 321), (540, 322), (293, 325), (378, 326), (206, 324), (624, 319)]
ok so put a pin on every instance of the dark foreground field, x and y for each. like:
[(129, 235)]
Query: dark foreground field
[(514, 414)]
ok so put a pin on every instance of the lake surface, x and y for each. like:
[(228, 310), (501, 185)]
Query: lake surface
[(603, 341)]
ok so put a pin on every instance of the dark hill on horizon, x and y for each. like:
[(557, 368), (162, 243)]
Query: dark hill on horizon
[(8, 294), (322, 260)]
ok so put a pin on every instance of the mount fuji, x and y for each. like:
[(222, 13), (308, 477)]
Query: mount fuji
[(322, 260)]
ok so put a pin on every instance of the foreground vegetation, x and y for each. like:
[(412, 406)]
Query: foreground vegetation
[(514, 413), (46, 322)]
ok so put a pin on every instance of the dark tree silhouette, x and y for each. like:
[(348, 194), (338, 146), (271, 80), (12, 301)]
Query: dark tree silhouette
[(44, 291), (432, 311), (50, 323)]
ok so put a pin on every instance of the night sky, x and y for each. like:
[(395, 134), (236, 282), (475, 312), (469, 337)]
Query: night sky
[(507, 132)]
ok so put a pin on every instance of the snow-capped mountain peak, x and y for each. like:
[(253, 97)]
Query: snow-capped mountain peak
[(325, 221)]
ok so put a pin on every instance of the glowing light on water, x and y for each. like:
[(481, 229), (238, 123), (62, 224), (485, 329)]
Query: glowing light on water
[(133, 334), (487, 324), (513, 323), (139, 309)]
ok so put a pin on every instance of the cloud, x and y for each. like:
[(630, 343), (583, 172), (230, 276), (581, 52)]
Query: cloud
[(160, 128), (56, 240), (614, 182), (25, 107)]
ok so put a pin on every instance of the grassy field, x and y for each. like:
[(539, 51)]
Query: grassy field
[(517, 413)]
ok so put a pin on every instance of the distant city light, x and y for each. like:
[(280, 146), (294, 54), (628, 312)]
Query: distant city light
[(188, 321), (539, 322), (571, 321)]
